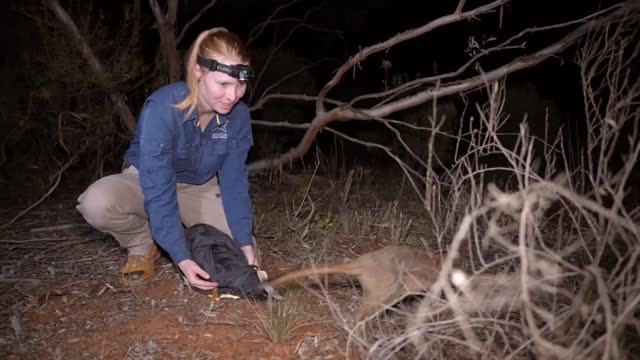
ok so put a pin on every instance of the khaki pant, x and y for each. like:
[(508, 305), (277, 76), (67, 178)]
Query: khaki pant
[(115, 205)]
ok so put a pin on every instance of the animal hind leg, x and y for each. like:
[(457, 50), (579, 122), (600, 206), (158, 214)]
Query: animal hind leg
[(377, 294), (372, 305)]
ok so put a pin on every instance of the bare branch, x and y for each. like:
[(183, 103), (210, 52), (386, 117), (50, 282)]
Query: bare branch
[(193, 20), (264, 100), (57, 176), (406, 169), (410, 34), (319, 122), (280, 124), (121, 107), (520, 63), (157, 11), (460, 6), (137, 19), (289, 76), (505, 45), (343, 114), (270, 20), (276, 48)]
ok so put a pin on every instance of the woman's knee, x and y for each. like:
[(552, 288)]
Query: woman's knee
[(101, 203)]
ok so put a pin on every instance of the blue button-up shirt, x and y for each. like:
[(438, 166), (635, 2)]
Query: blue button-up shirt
[(169, 148)]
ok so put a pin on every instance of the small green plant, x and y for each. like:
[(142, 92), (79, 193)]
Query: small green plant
[(293, 292), (278, 322), (324, 222)]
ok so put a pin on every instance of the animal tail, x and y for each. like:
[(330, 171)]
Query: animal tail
[(342, 269)]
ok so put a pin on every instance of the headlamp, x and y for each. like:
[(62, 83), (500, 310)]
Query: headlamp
[(239, 71)]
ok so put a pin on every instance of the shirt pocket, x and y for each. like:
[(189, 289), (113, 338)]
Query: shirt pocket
[(153, 148), (185, 158), (154, 163), (219, 146)]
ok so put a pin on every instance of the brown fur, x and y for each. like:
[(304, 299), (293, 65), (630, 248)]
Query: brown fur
[(386, 275)]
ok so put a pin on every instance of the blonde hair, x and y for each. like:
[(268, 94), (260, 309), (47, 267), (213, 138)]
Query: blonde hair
[(209, 44)]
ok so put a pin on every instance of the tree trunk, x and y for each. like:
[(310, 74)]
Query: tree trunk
[(167, 30)]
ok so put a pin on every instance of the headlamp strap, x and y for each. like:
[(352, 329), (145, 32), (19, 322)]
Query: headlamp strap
[(239, 71)]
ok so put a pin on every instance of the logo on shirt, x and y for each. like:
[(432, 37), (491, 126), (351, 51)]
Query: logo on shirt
[(220, 131)]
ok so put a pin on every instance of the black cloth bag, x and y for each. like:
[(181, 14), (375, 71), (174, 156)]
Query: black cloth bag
[(221, 257)]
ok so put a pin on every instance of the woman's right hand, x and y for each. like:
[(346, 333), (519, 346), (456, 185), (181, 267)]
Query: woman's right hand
[(195, 275)]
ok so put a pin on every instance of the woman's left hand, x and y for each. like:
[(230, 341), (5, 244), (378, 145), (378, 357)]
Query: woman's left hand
[(250, 255)]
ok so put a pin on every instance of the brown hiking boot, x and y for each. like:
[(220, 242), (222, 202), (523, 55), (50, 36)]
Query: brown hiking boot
[(140, 268)]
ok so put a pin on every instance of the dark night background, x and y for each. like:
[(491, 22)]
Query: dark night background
[(44, 74), (571, 242)]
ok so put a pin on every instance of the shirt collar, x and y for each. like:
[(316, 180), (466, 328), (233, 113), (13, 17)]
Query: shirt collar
[(218, 119)]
